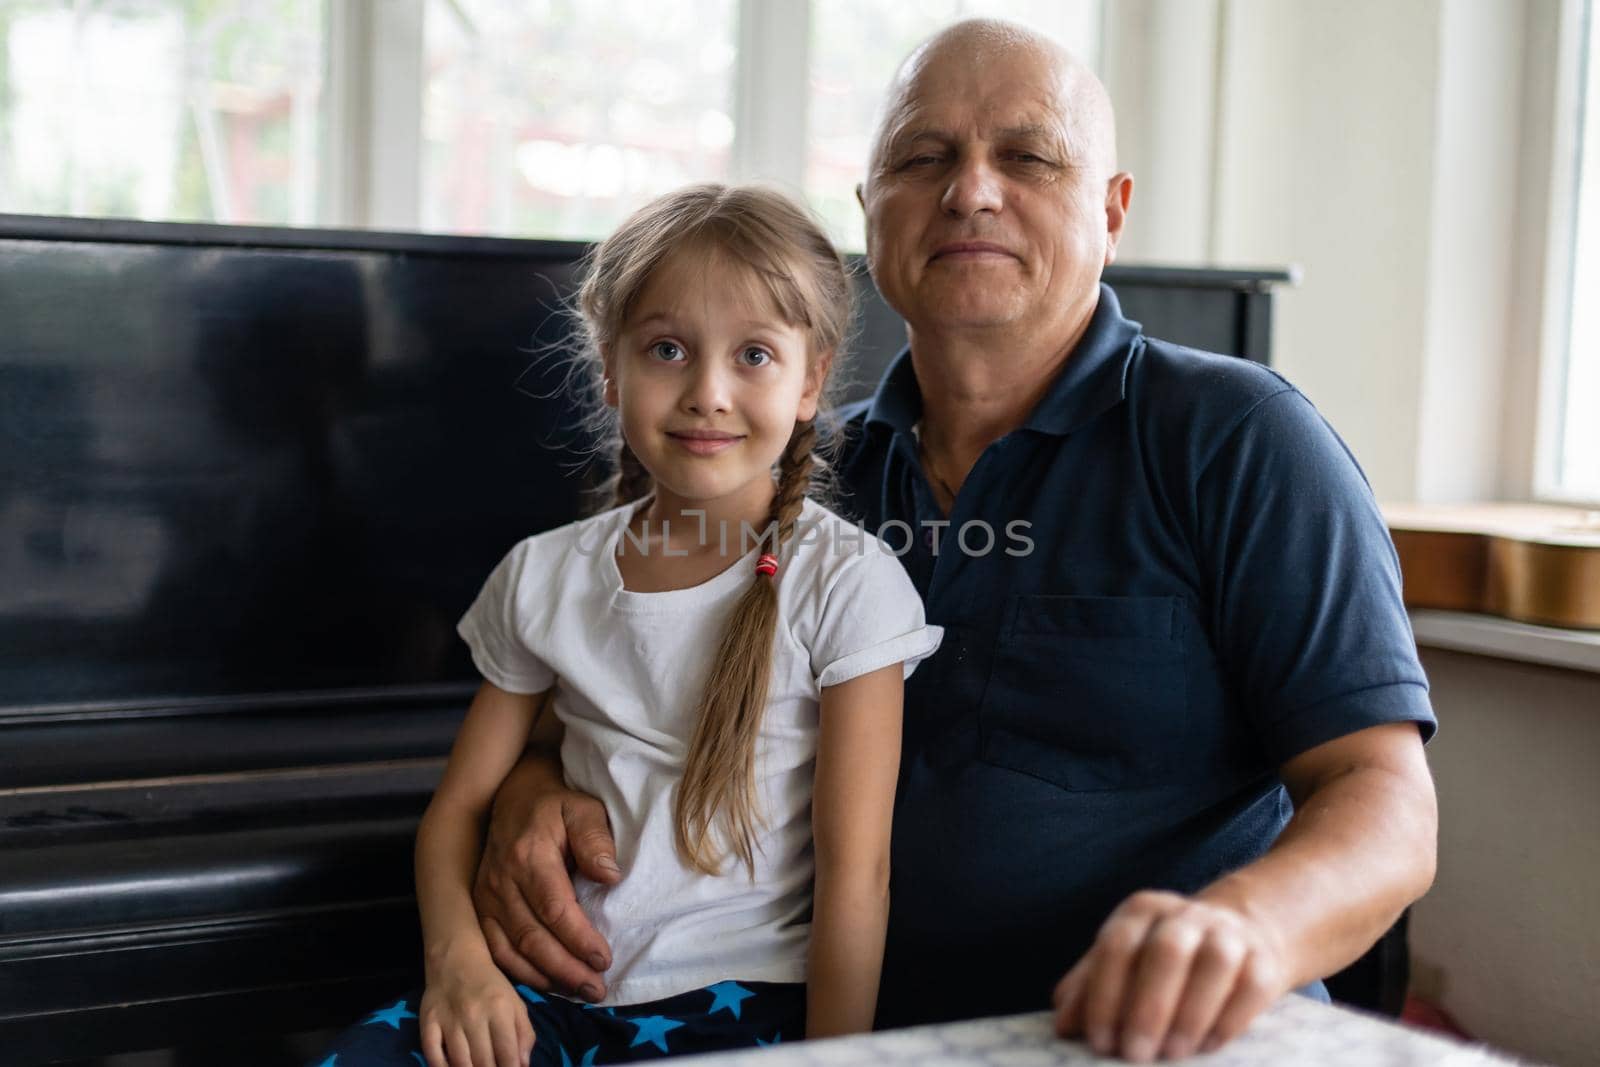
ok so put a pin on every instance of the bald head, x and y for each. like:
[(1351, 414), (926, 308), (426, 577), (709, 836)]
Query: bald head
[(975, 45)]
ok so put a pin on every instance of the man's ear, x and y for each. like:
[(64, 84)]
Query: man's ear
[(1119, 194), (866, 216)]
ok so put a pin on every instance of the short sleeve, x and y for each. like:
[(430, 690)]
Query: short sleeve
[(490, 629), (872, 617), (1306, 606)]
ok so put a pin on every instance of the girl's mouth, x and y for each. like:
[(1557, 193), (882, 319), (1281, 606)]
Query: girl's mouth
[(705, 446)]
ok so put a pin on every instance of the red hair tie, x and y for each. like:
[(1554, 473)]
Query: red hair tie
[(767, 564)]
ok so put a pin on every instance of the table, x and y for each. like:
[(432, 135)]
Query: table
[(1295, 1030)]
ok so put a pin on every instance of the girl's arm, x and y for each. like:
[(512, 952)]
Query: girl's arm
[(858, 763), (459, 970)]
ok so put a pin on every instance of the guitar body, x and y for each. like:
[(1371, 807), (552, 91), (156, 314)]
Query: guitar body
[(1530, 563)]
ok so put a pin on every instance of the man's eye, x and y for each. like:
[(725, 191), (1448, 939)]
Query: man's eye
[(919, 161), (755, 357), (666, 351)]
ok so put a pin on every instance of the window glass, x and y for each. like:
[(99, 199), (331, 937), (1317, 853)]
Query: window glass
[(557, 119), (199, 110)]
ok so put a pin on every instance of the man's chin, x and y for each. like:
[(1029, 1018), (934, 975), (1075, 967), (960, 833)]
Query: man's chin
[(967, 316)]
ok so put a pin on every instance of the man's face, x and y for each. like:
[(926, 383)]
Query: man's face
[(986, 206)]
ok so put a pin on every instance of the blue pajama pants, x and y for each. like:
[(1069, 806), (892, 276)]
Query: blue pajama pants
[(569, 1033)]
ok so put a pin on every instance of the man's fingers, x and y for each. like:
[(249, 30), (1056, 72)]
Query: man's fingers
[(1157, 984), (536, 943), (544, 938), (509, 960), (498, 899), (1115, 952), (590, 841), (1216, 966), (1253, 990), (553, 904)]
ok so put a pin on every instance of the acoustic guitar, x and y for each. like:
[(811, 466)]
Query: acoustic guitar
[(1529, 562)]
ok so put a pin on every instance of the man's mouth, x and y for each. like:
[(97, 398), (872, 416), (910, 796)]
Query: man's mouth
[(973, 250)]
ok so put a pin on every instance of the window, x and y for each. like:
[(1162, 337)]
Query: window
[(197, 110), (556, 119), (1577, 459), (535, 118)]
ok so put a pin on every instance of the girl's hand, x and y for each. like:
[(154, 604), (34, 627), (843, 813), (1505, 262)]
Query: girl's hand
[(471, 1017)]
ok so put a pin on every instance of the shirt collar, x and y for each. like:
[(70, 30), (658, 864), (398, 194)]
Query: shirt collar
[(1092, 381)]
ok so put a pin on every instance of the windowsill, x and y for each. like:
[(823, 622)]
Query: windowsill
[(1486, 635)]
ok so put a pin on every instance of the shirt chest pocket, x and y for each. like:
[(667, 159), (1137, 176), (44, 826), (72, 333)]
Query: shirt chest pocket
[(1088, 692)]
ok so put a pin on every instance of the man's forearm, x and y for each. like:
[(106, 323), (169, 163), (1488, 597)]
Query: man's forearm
[(538, 770), (1359, 849)]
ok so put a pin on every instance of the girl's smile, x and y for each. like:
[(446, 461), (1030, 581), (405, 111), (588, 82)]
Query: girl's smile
[(705, 442)]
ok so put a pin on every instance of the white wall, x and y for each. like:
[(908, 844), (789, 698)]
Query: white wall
[(1508, 941), (1401, 155), (1379, 147)]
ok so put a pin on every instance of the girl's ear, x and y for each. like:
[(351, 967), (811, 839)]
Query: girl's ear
[(813, 390), (608, 377)]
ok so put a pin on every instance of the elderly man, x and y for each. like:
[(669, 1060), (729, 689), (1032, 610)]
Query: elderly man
[(1167, 766)]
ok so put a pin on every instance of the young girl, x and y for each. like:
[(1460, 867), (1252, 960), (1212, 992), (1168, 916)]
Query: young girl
[(722, 660)]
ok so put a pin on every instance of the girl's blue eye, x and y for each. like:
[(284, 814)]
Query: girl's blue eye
[(761, 360), (666, 351)]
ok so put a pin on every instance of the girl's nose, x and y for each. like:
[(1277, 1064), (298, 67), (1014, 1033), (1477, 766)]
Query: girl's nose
[(707, 391), (974, 187)]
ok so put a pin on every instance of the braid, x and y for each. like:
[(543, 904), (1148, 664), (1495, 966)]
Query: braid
[(631, 481), (719, 777), (794, 479)]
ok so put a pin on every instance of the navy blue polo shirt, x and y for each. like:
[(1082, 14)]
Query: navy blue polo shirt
[(1168, 581)]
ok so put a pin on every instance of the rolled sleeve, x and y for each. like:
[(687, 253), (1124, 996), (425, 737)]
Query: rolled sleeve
[(872, 617), (492, 631)]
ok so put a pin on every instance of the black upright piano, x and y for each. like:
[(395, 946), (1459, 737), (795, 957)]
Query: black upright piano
[(249, 479)]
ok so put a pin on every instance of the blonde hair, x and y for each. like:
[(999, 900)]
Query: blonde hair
[(793, 264)]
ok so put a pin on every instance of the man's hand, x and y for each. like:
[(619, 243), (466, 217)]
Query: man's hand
[(1169, 975), (539, 832)]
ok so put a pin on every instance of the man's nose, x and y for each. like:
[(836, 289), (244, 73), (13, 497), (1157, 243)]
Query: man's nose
[(974, 187), (707, 390)]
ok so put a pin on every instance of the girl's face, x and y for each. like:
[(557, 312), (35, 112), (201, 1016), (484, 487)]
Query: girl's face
[(709, 381)]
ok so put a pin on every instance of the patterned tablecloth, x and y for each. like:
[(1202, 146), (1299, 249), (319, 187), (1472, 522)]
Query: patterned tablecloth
[(1296, 1031)]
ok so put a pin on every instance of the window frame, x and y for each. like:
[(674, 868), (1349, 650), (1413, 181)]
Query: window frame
[(1566, 101), (371, 159)]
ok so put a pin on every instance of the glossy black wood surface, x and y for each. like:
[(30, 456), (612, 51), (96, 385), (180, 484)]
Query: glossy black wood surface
[(259, 468), (249, 479)]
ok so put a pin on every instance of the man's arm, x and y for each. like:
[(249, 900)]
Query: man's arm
[(539, 831), (1169, 974)]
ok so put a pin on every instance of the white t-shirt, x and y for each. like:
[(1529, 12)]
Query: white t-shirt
[(629, 670)]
